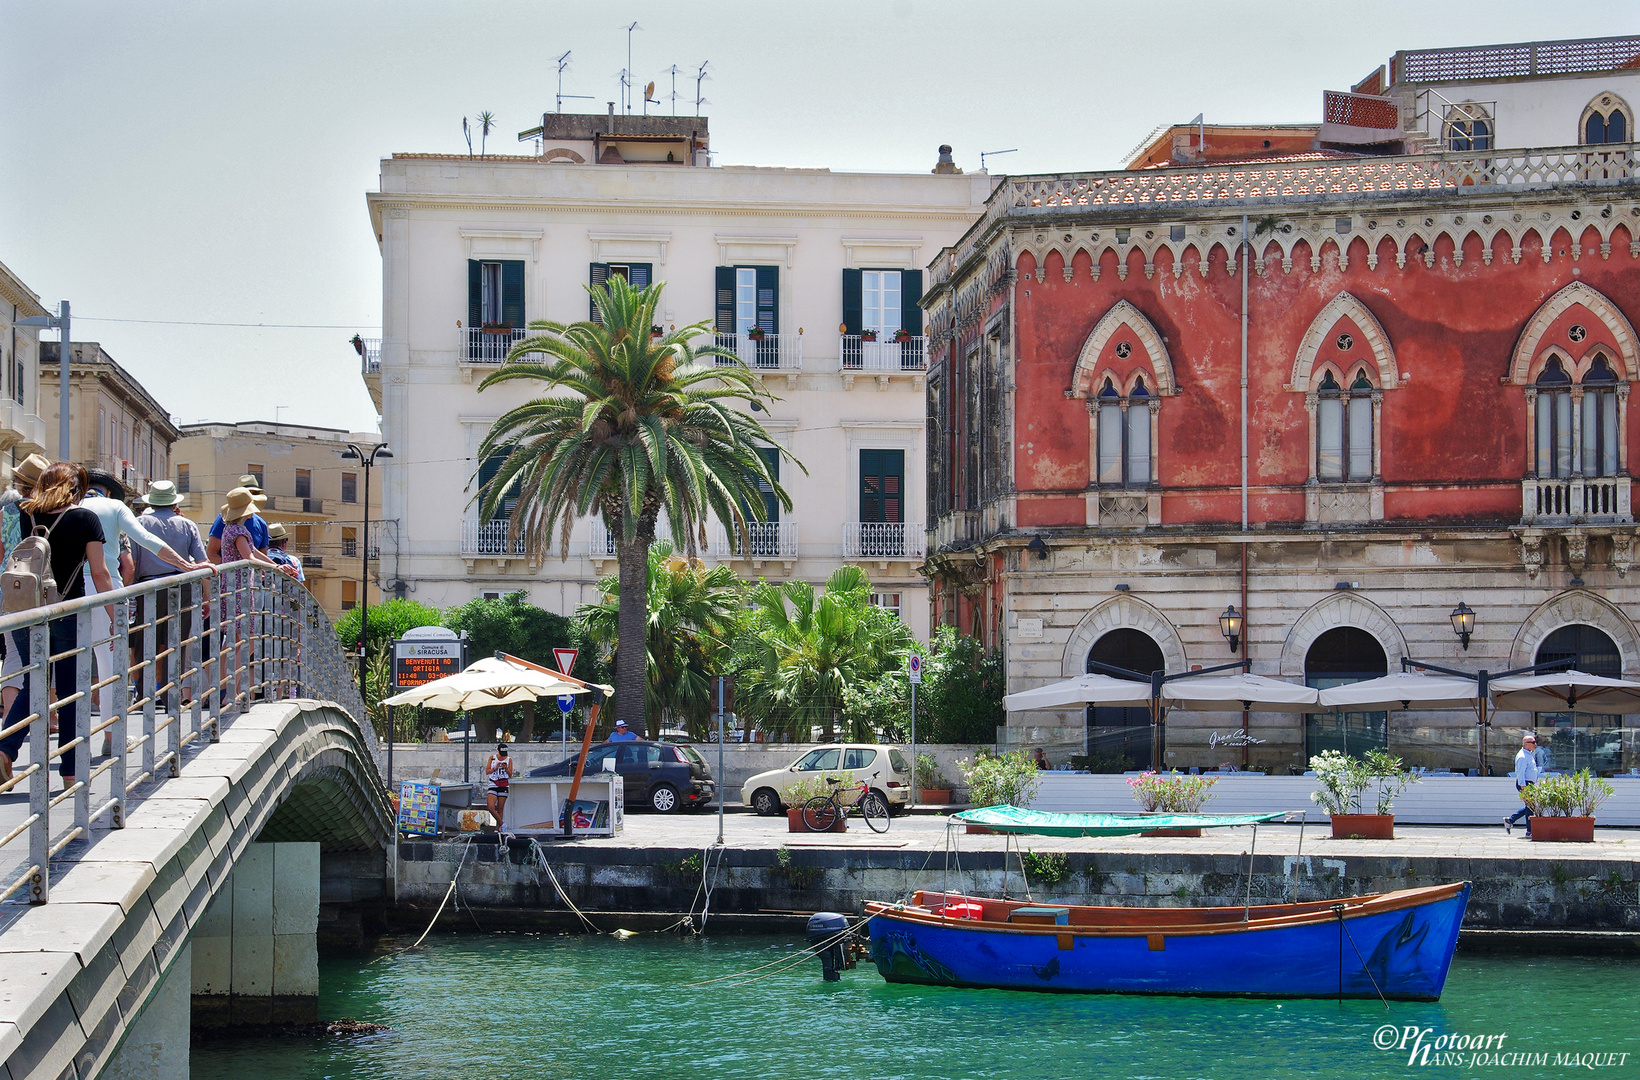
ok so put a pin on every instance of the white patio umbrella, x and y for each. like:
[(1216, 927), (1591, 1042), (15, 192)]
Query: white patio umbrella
[(1567, 691), (1403, 690), (1089, 689), (1215, 693), (486, 682)]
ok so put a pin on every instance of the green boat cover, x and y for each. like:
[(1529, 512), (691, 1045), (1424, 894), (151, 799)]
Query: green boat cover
[(1015, 819)]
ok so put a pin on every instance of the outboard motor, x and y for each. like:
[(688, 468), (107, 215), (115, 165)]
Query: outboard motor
[(825, 936)]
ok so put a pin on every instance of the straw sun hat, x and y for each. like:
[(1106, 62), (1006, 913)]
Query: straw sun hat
[(241, 504)]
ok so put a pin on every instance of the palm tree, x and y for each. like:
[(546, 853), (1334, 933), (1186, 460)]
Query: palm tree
[(486, 124), (693, 614), (796, 661), (641, 429)]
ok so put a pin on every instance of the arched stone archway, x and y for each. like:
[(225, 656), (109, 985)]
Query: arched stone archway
[(1341, 609), (1114, 614), (1576, 606)]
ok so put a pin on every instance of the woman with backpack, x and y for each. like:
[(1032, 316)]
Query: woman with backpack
[(76, 540)]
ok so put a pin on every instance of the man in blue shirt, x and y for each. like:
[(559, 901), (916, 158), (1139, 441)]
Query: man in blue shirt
[(1526, 773), (621, 734)]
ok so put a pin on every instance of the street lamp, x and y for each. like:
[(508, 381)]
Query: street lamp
[(1230, 625), (1463, 622), (353, 453), (59, 323)]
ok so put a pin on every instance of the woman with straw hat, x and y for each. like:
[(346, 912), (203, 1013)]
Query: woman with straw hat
[(238, 545)]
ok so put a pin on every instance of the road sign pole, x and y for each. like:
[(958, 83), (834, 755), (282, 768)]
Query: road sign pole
[(720, 759), (913, 744)]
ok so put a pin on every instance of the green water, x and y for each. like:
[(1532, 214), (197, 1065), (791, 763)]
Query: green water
[(526, 1007)]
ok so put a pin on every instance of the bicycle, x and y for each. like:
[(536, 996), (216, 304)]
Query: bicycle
[(822, 812)]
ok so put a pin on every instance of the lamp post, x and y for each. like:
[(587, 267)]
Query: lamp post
[(59, 323), (354, 453)]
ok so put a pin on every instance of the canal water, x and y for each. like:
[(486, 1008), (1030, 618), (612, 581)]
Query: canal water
[(531, 1007)]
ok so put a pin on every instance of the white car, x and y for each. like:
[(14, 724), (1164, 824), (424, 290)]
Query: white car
[(885, 767)]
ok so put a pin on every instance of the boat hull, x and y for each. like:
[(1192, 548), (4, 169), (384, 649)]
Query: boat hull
[(1382, 946)]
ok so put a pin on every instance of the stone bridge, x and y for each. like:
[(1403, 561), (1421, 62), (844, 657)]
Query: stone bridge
[(200, 900)]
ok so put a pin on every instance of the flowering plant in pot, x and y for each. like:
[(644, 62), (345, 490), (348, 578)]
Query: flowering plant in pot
[(999, 780), (932, 785), (495, 328), (868, 335), (902, 334), (1345, 780), (756, 333), (1563, 806), (1172, 793)]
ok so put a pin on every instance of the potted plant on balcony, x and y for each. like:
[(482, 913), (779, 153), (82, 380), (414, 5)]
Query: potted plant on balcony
[(1563, 806), (932, 786), (657, 330), (496, 328), (999, 780), (868, 335), (903, 335), (1172, 793), (756, 333)]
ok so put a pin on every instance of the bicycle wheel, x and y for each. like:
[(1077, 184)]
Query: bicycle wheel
[(819, 814), (874, 809)]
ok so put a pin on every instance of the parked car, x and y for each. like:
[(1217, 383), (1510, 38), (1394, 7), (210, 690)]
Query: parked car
[(660, 775), (885, 767)]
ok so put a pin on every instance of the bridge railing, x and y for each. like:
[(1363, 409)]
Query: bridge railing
[(174, 661)]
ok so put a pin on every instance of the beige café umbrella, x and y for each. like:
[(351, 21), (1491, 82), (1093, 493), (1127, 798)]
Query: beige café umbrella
[(486, 682), (1567, 691), (1091, 689)]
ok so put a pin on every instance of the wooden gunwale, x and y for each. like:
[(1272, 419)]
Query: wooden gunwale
[(1229, 921)]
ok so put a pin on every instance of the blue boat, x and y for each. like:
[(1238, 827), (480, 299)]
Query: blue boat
[(1394, 945)]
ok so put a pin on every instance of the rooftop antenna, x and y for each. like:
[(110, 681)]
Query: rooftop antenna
[(994, 153), (700, 77), (626, 76), (673, 71), (648, 96), (563, 62)]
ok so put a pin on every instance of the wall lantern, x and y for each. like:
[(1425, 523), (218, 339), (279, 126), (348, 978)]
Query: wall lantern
[(1037, 547), (1463, 622), (1230, 625)]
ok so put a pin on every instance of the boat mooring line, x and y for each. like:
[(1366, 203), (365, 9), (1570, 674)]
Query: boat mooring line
[(785, 963), (465, 851), (1339, 908), (1247, 907)]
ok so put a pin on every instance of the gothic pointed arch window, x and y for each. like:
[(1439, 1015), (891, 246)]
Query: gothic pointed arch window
[(1124, 437), (1344, 428), (1554, 421), (1600, 427), (1468, 127), (1606, 119)]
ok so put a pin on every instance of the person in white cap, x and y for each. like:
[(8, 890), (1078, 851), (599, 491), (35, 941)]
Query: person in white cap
[(621, 734)]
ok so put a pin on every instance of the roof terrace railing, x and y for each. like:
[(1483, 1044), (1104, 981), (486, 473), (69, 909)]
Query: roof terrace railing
[(1515, 60)]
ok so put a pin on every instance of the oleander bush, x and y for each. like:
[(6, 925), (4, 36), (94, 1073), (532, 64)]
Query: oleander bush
[(1171, 793)]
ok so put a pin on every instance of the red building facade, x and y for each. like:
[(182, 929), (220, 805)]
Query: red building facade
[(1341, 395)]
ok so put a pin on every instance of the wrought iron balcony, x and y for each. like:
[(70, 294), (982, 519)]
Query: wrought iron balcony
[(370, 361), (771, 352), (481, 346), (904, 354), (490, 538), (883, 540), (771, 540)]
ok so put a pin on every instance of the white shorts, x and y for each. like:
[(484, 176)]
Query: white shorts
[(11, 672)]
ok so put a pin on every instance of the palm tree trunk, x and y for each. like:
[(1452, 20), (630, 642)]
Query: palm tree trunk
[(631, 646)]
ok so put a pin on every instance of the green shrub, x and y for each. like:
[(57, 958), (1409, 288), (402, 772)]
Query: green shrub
[(1577, 795), (1000, 779), (1048, 867)]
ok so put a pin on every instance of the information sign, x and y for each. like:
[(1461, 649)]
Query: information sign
[(418, 808), (418, 662)]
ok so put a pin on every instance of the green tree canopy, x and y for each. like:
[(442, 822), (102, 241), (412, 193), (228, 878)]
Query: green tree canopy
[(388, 620), (959, 701), (510, 624), (641, 428)]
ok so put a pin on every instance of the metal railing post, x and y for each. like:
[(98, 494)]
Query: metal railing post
[(84, 670), (39, 754), (193, 667), (147, 653), (120, 630)]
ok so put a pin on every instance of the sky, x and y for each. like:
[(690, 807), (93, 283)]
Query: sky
[(202, 163)]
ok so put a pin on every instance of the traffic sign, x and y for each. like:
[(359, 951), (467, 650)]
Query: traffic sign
[(566, 702), (565, 659), (913, 668)]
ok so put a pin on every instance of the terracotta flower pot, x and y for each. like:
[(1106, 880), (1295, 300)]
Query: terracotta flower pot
[(935, 795), (1572, 830), (794, 822), (1363, 826), (1172, 832)]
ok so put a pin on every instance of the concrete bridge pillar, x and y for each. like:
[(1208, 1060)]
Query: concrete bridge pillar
[(255, 950)]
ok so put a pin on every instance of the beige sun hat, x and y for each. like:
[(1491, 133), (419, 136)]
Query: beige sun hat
[(26, 473), (162, 493), (250, 482), (277, 531), (242, 503)]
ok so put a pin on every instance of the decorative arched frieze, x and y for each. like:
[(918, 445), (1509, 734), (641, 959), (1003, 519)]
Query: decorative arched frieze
[(1341, 609), (1570, 608), (1344, 306), (1531, 338), (1117, 613), (1123, 314)]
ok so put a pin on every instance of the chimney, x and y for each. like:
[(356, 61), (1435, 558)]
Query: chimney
[(611, 117), (945, 164)]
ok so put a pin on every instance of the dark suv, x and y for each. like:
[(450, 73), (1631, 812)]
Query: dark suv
[(661, 776)]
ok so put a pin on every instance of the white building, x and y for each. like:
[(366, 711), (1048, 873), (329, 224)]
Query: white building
[(22, 431), (827, 265)]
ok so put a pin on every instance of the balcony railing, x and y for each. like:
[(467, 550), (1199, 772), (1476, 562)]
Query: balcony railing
[(480, 346), (883, 540), (601, 544), (1575, 500), (490, 538), (767, 540), (772, 352), (907, 354), (370, 361)]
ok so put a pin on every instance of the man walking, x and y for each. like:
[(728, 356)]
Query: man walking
[(1526, 773), (182, 535)]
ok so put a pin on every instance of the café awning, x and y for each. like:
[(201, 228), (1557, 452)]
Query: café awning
[(1081, 690), (486, 682), (1227, 693), (1567, 691), (1403, 690)]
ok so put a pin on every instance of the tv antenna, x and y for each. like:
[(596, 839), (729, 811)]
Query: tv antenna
[(563, 62), (674, 71), (994, 153), (626, 75), (700, 77)]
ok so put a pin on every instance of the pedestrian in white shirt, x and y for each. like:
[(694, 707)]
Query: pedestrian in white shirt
[(1526, 773)]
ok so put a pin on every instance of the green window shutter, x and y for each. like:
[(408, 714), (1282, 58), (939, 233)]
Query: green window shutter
[(725, 299), (638, 275), (768, 299), (486, 472), (599, 275), (882, 485), (512, 293), (853, 301), (475, 293), (771, 503), (911, 313)]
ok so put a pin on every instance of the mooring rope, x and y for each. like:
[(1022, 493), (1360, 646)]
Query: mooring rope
[(785, 963)]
